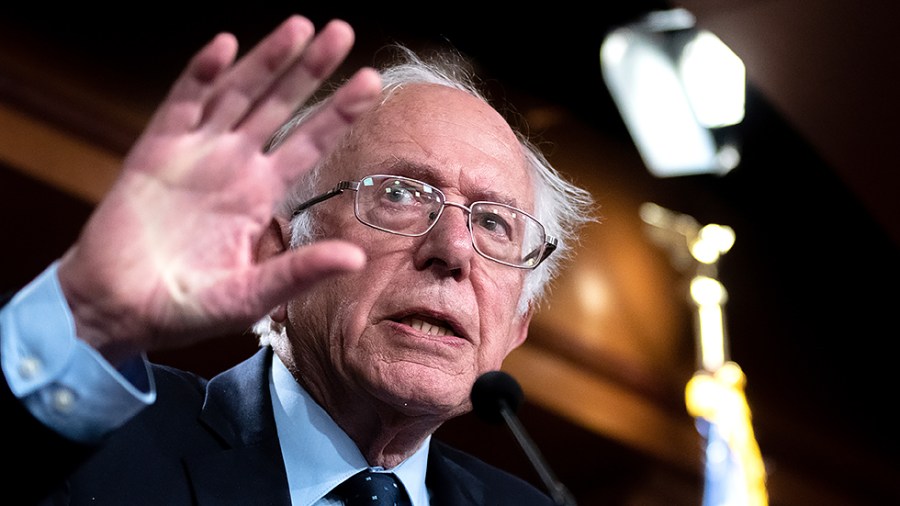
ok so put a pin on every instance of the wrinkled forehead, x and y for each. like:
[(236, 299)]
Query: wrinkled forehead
[(445, 136)]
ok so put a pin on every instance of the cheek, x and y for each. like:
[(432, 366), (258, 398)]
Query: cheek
[(325, 315), (498, 290), (349, 301), (498, 300), (346, 300), (495, 347)]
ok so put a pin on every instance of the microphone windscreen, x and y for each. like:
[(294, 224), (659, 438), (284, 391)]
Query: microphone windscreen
[(491, 391)]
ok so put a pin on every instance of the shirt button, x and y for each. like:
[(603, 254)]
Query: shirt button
[(29, 367), (63, 400)]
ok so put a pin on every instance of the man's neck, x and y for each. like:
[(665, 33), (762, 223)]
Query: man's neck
[(384, 435)]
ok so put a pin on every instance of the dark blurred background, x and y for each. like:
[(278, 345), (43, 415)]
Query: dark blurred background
[(811, 279)]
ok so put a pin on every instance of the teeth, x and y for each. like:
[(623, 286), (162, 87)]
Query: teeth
[(426, 328)]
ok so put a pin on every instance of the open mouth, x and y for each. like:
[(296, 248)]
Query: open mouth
[(429, 326)]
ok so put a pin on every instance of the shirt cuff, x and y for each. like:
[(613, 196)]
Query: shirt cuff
[(63, 381)]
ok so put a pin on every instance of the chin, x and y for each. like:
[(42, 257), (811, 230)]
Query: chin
[(417, 389)]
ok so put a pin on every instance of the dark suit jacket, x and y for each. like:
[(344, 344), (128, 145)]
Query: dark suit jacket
[(207, 443)]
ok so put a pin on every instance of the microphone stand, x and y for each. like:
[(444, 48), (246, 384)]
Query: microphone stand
[(559, 492)]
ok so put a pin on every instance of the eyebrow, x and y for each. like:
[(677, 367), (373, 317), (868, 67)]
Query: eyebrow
[(431, 175)]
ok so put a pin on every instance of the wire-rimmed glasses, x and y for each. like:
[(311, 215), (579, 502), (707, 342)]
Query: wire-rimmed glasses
[(409, 207)]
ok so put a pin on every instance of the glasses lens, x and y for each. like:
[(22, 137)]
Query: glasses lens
[(506, 234), (397, 204)]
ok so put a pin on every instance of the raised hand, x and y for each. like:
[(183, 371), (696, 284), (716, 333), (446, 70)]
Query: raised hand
[(167, 258)]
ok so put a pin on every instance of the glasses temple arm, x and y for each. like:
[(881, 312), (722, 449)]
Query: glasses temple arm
[(550, 248), (337, 190)]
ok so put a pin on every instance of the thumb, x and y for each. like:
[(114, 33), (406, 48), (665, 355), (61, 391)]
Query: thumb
[(289, 274)]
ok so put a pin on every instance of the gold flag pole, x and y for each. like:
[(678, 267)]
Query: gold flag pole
[(735, 473)]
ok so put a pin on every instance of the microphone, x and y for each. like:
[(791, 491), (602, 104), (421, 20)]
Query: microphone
[(496, 396)]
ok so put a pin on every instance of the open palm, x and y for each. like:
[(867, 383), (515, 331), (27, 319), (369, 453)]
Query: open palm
[(167, 258)]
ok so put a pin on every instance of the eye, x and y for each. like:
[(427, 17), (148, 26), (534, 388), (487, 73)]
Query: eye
[(494, 223), (397, 192)]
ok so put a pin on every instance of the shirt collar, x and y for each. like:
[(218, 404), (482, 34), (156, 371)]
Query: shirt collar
[(319, 455)]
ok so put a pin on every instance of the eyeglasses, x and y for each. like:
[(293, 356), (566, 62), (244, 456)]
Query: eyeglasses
[(408, 207)]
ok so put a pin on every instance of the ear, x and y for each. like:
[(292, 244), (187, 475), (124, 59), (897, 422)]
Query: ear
[(274, 240)]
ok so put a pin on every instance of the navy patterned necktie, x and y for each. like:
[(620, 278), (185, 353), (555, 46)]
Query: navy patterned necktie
[(368, 488)]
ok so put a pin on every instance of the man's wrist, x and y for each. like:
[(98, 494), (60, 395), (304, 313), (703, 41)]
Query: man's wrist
[(62, 381), (97, 328)]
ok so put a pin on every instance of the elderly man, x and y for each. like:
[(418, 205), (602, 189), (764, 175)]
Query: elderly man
[(417, 236)]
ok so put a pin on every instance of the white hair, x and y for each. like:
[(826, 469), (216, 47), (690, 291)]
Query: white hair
[(559, 205)]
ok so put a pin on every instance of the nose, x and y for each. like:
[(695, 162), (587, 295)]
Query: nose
[(447, 247)]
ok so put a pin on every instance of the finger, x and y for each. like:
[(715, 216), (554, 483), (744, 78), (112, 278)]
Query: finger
[(319, 60), (252, 76), (322, 131), (284, 276), (182, 109)]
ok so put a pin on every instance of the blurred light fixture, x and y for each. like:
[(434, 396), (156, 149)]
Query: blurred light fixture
[(678, 89)]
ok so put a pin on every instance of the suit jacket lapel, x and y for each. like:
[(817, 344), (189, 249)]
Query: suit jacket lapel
[(449, 483), (250, 468)]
